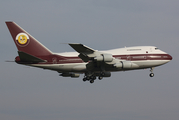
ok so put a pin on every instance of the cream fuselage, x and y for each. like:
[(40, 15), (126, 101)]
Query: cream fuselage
[(136, 58)]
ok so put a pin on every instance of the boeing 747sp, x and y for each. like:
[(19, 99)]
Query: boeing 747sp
[(92, 63)]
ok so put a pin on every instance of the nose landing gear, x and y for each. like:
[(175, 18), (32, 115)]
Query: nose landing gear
[(151, 74)]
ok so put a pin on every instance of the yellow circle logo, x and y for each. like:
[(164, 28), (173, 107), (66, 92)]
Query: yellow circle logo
[(22, 38)]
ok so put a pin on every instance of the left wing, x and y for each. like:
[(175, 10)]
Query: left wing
[(99, 63), (80, 48), (87, 53)]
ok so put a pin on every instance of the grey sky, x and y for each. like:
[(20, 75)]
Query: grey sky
[(35, 94)]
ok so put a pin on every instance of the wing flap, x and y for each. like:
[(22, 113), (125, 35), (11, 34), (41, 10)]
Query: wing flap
[(84, 57)]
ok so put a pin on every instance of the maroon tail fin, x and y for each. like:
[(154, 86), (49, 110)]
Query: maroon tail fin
[(25, 42)]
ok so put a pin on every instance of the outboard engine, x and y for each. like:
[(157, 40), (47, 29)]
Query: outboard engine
[(72, 75), (106, 74)]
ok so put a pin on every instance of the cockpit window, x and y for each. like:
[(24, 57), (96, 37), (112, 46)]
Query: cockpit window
[(156, 48)]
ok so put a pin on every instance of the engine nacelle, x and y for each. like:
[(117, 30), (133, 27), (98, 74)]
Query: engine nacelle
[(72, 75), (104, 58), (118, 65), (125, 65), (75, 75), (106, 74)]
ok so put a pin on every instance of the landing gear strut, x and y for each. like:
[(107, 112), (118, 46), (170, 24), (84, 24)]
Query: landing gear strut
[(151, 74)]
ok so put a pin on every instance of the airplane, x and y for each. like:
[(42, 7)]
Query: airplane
[(90, 62)]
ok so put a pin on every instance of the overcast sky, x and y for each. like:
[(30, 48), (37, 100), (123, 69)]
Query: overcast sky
[(36, 94)]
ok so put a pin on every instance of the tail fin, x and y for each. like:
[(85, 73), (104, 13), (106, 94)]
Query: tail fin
[(25, 42)]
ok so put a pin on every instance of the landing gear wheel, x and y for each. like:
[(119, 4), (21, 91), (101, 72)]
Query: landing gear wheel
[(151, 74), (87, 78), (93, 77), (91, 81), (102, 74), (84, 79), (100, 77)]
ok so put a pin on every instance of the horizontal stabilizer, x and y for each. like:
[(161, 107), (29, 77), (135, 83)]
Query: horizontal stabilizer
[(9, 61), (24, 57)]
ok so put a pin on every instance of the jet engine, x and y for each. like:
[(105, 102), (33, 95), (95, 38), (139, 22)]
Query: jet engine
[(72, 75), (125, 65), (104, 58), (106, 74)]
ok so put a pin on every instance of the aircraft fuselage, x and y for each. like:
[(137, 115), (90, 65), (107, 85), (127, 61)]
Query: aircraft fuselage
[(85, 60), (138, 57)]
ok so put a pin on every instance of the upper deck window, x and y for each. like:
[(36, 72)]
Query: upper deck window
[(156, 48)]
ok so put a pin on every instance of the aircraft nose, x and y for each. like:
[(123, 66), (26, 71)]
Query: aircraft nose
[(170, 57)]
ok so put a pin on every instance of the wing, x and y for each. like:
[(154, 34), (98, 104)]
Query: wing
[(87, 53), (80, 48)]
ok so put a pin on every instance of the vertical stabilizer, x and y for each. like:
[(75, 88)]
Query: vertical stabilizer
[(25, 42)]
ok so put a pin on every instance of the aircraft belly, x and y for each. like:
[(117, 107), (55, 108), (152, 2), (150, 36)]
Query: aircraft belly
[(81, 67), (77, 67), (150, 63)]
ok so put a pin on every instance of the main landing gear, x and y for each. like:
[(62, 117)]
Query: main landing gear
[(151, 74), (92, 77), (89, 78)]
